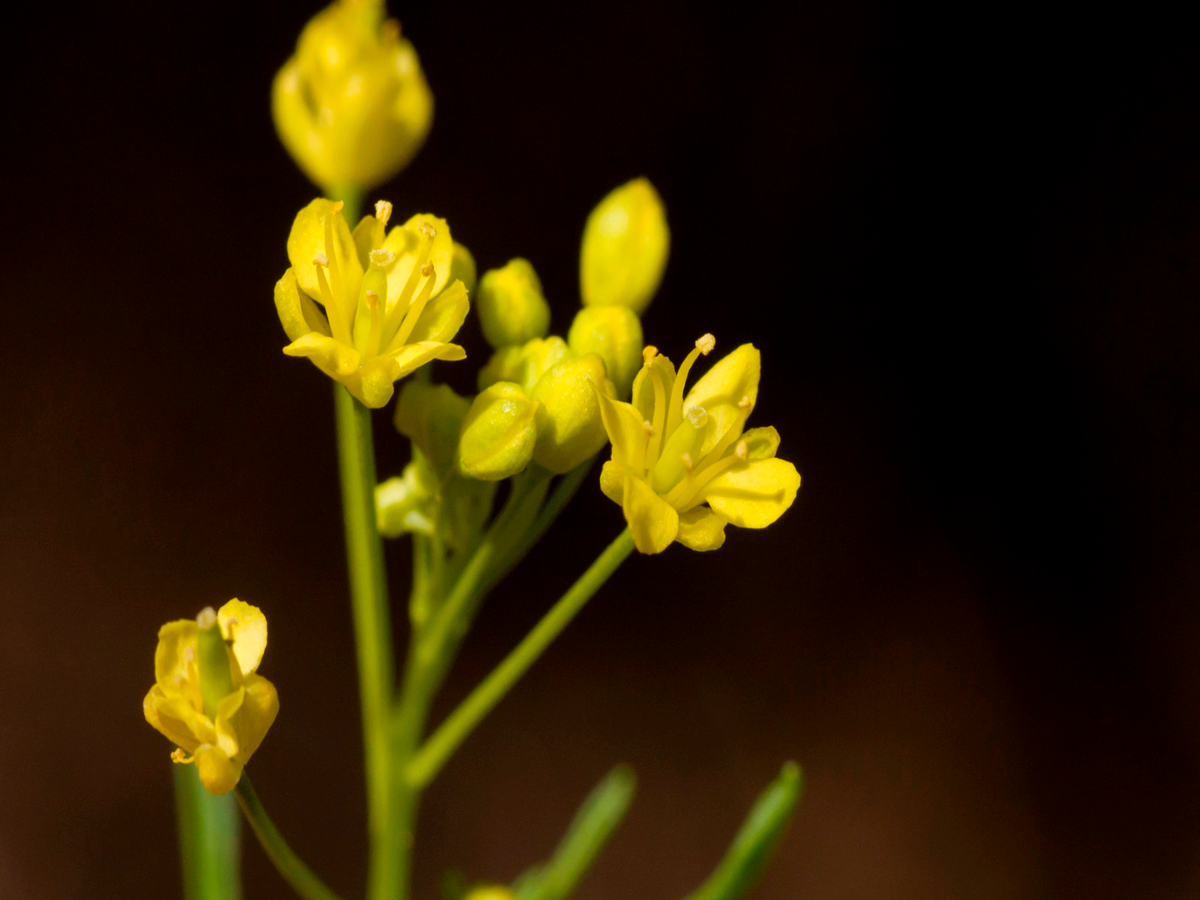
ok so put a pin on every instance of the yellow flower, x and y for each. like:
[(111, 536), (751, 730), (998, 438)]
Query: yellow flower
[(207, 697), (672, 453), (352, 106), (387, 309)]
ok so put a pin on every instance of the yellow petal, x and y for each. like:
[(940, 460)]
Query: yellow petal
[(721, 390), (412, 356), (175, 659), (246, 626), (623, 424), (218, 773), (653, 522), (307, 241), (254, 717), (406, 242), (612, 481), (643, 386), (761, 442), (442, 316), (755, 494), (298, 314), (373, 383), (701, 529), (178, 720), (227, 709), (332, 357)]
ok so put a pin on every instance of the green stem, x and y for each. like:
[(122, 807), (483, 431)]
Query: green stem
[(433, 755), (290, 866), (372, 632), (209, 839)]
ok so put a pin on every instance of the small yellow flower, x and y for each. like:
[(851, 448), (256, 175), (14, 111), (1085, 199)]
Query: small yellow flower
[(352, 106), (207, 697), (672, 454), (387, 307)]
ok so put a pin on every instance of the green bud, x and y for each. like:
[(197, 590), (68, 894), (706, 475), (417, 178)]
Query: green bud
[(462, 267), (405, 504), (625, 247), (524, 364), (510, 305), (466, 505), (431, 416), (498, 433), (568, 420), (614, 333)]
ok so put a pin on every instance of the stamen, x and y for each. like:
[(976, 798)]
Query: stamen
[(331, 253), (660, 415), (396, 312), (320, 260), (686, 459), (207, 617), (372, 301), (179, 756), (337, 316), (648, 353), (427, 229), (704, 345), (732, 433), (689, 493), (383, 211), (414, 312)]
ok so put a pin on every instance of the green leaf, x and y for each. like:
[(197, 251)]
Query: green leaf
[(759, 835), (587, 834)]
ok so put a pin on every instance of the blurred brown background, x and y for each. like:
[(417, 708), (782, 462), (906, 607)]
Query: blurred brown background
[(968, 250)]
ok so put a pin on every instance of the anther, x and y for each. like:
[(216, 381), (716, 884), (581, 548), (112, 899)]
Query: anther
[(372, 299), (742, 451), (178, 756), (383, 211), (320, 260), (427, 269), (426, 229), (705, 343), (336, 208), (745, 403), (207, 617), (648, 353), (648, 428), (686, 459)]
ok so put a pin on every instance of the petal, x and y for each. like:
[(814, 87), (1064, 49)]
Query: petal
[(442, 316), (624, 426), (297, 312), (332, 357), (761, 442), (255, 716), (218, 773), (643, 386), (307, 241), (412, 356), (368, 236), (373, 383), (227, 709), (701, 529), (175, 658), (181, 722), (755, 494), (246, 626), (612, 481), (652, 520), (722, 388), (405, 241)]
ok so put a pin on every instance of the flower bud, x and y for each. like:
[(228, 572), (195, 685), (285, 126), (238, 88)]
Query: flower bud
[(351, 106), (510, 305), (462, 267), (431, 416), (526, 363), (499, 433), (614, 333), (625, 246), (405, 504), (568, 420)]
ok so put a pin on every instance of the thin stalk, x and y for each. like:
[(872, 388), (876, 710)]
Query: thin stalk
[(372, 633), (433, 755), (209, 840), (290, 866)]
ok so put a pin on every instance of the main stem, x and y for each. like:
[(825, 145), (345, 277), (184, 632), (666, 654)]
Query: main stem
[(372, 632)]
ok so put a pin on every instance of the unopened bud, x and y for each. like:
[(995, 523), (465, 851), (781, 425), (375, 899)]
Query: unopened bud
[(614, 333), (498, 433), (431, 416), (462, 267), (625, 247), (526, 363), (569, 425), (510, 305)]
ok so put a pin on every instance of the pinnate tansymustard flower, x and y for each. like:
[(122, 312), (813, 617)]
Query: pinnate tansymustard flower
[(387, 307), (207, 697), (672, 454)]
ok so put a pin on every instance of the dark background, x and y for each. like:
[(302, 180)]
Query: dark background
[(968, 249)]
